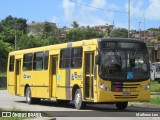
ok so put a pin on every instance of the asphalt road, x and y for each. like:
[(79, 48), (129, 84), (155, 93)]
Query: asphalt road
[(50, 108)]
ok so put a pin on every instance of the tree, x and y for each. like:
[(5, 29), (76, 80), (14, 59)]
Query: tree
[(75, 24), (80, 34), (158, 36), (43, 30), (52, 40), (119, 32), (15, 23), (5, 48), (50, 29), (25, 42)]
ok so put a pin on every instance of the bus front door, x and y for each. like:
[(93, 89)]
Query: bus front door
[(54, 75), (18, 71), (88, 83)]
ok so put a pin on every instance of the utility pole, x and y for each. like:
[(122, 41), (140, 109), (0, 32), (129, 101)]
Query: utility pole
[(144, 26), (15, 39), (128, 18)]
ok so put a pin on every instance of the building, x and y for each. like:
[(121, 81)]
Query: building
[(103, 28)]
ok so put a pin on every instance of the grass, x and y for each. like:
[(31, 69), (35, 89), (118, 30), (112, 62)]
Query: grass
[(155, 87), (10, 118), (3, 74), (155, 100)]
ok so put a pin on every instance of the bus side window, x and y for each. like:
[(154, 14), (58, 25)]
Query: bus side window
[(27, 61), (46, 55), (76, 60), (11, 64), (65, 58), (38, 61)]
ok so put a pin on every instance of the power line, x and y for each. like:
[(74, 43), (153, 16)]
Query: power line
[(97, 7)]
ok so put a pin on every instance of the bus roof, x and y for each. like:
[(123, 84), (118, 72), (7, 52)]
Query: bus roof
[(121, 39), (54, 47), (74, 44)]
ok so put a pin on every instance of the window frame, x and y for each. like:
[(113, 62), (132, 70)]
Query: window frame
[(36, 61), (11, 63), (24, 62), (71, 58), (44, 60)]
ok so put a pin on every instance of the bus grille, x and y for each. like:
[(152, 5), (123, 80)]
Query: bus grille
[(125, 96), (124, 87)]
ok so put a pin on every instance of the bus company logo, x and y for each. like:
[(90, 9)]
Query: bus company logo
[(76, 76), (6, 114), (26, 76)]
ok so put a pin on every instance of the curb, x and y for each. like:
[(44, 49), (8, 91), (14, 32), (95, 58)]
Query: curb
[(155, 93), (136, 104)]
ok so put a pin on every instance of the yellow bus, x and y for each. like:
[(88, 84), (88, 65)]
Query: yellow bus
[(103, 70)]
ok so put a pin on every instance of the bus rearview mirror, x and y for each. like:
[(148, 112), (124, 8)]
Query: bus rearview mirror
[(97, 59)]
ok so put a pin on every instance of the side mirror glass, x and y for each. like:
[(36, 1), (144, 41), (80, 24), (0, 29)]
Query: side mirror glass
[(97, 59)]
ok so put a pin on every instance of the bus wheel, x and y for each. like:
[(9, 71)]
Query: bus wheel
[(78, 100), (121, 105), (29, 98)]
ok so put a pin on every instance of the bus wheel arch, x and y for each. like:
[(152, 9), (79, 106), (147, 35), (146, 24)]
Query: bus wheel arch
[(75, 87), (26, 86), (77, 97), (29, 98)]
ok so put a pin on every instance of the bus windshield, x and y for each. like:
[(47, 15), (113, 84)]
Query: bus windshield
[(128, 64)]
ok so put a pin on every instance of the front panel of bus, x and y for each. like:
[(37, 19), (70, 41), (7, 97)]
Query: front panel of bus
[(123, 71)]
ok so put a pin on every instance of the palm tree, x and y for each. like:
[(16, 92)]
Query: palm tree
[(75, 24)]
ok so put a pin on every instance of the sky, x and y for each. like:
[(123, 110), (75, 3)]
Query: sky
[(64, 12)]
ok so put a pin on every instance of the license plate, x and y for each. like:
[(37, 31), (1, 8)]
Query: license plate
[(126, 93)]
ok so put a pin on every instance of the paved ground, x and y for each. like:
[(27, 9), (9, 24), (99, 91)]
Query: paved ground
[(66, 111)]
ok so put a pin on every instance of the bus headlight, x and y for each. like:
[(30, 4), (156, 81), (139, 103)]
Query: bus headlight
[(146, 87), (103, 86)]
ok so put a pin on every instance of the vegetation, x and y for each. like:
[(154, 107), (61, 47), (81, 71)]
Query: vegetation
[(80, 34), (3, 74), (119, 32), (155, 100), (44, 33), (75, 24), (155, 87)]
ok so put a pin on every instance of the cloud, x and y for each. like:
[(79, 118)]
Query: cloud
[(149, 8), (87, 15), (98, 3), (152, 11), (69, 8), (136, 8)]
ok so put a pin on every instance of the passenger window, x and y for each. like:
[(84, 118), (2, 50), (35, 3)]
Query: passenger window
[(38, 61), (76, 61), (65, 58), (27, 62), (11, 64)]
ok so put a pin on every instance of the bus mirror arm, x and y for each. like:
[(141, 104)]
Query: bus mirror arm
[(94, 72)]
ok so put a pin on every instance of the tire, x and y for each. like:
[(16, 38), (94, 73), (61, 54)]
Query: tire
[(79, 104), (29, 98), (121, 105), (63, 101)]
